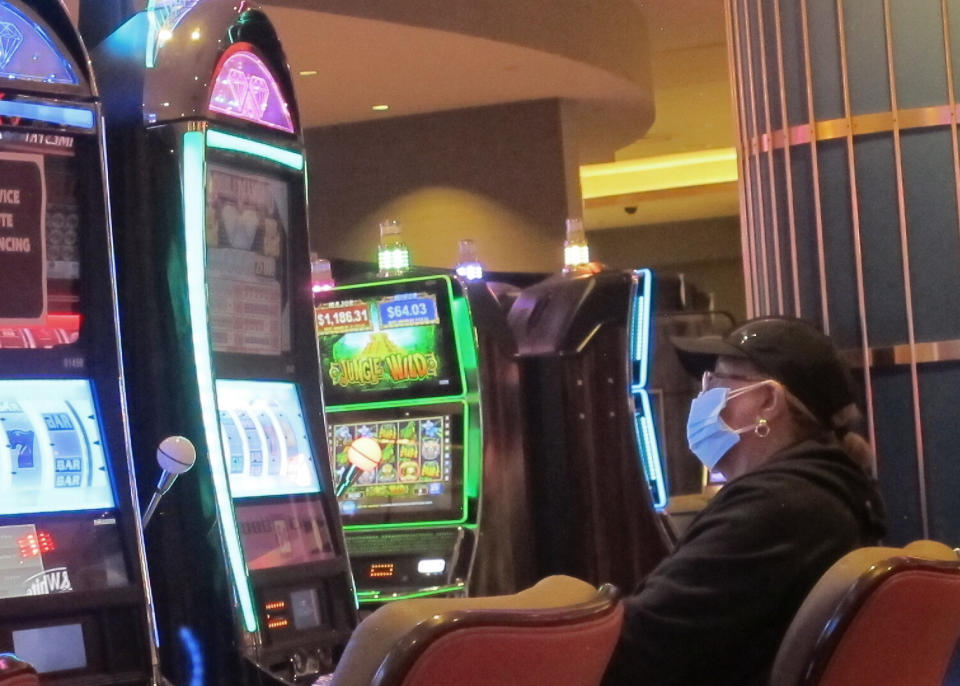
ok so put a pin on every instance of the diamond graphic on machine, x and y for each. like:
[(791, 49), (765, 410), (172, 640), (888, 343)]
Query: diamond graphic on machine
[(10, 41), (250, 94)]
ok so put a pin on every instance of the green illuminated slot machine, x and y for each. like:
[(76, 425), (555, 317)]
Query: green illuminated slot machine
[(398, 362)]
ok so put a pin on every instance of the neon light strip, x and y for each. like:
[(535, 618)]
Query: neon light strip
[(195, 248), (150, 56), (642, 325), (76, 117), (466, 342), (382, 404), (651, 451), (226, 141), (378, 596), (191, 647)]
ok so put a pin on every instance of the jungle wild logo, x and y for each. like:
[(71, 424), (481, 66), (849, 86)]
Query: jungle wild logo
[(382, 360)]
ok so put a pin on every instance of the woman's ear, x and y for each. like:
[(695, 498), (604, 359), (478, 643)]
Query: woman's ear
[(774, 401)]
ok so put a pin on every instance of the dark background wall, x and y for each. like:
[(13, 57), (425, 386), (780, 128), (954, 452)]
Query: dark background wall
[(705, 251), (501, 175)]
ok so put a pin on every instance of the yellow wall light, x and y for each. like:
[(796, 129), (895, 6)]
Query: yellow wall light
[(683, 170)]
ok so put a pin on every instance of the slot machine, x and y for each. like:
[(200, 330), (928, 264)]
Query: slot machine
[(248, 559), (583, 340), (398, 363), (75, 600)]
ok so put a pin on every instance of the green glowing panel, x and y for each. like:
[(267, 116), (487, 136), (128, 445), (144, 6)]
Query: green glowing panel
[(379, 596), (194, 242), (227, 141)]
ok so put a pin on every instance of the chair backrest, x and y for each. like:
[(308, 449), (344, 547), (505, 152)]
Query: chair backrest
[(560, 631), (16, 672), (877, 616)]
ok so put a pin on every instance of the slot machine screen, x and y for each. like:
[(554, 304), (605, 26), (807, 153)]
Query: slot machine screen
[(273, 474), (247, 220), (51, 456), (279, 532), (58, 519), (42, 202), (265, 439), (420, 476), (388, 342)]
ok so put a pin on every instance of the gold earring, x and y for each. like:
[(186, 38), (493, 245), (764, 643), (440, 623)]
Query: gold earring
[(762, 429)]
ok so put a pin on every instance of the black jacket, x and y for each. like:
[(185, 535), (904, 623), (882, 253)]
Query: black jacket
[(713, 612)]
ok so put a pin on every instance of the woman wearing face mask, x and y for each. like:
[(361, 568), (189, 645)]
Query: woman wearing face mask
[(777, 416)]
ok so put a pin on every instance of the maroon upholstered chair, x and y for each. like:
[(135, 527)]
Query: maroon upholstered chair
[(878, 616), (16, 672), (560, 631)]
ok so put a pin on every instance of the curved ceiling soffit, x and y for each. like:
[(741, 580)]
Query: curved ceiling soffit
[(614, 40)]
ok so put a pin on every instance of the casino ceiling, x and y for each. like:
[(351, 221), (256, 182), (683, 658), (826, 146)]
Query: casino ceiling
[(650, 79)]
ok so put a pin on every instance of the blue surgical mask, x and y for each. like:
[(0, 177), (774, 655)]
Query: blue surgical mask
[(709, 437)]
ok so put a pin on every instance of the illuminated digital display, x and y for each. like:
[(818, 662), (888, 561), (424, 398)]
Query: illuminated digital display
[(52, 648), (305, 605), (28, 53), (60, 553), (245, 88), (247, 223), (42, 206), (51, 455), (381, 570), (265, 438), (281, 533), (419, 475), (384, 345)]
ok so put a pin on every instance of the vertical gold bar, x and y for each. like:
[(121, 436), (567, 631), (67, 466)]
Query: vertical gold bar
[(907, 289), (791, 219), (771, 168), (855, 216), (815, 169), (743, 152), (951, 99), (751, 151), (756, 158)]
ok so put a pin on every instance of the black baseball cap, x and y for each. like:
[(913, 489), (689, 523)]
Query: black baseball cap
[(791, 351)]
